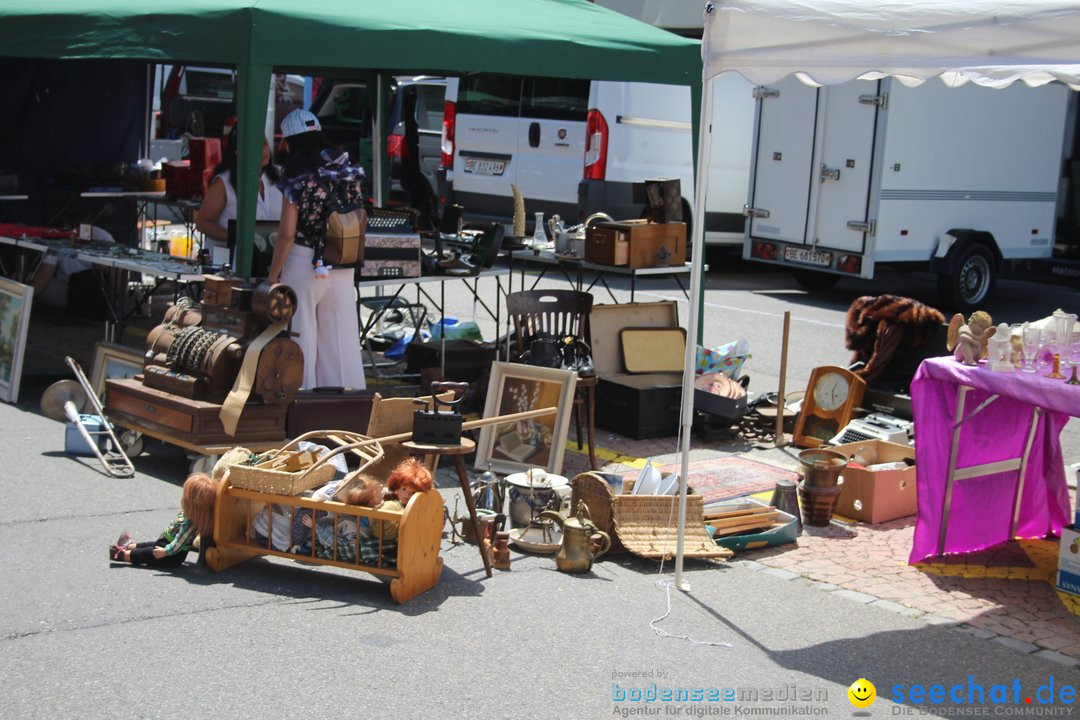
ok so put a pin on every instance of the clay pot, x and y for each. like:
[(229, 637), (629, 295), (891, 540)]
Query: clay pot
[(817, 504), (821, 468)]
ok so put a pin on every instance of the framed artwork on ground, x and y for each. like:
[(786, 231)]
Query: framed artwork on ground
[(519, 445), (15, 299), (114, 361)]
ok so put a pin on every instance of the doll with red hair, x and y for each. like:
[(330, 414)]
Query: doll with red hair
[(196, 517), (405, 480)]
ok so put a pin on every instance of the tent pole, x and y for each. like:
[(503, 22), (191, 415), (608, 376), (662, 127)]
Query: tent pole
[(252, 93), (378, 142), (696, 302)]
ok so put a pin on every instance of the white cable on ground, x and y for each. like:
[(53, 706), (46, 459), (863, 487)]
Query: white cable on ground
[(666, 584)]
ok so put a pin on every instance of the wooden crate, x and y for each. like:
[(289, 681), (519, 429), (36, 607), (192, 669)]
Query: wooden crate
[(637, 244)]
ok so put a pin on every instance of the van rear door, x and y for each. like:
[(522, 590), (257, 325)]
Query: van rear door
[(486, 143), (551, 143)]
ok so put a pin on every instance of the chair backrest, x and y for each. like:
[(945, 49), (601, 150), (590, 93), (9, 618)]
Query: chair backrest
[(392, 416), (549, 313)]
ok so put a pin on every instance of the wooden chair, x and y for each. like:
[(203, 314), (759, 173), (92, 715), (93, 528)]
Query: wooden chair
[(558, 314)]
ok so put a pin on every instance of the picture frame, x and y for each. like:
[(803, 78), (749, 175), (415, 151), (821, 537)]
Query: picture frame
[(15, 302), (113, 361), (517, 446)]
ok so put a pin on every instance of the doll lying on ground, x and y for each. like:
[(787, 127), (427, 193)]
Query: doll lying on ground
[(196, 516)]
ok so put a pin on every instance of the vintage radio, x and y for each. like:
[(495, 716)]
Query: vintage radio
[(194, 357)]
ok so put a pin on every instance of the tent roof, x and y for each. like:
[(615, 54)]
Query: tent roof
[(990, 42), (562, 38)]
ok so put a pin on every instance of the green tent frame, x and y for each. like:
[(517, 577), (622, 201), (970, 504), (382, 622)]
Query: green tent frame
[(557, 38)]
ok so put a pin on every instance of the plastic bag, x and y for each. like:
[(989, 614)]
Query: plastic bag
[(727, 359)]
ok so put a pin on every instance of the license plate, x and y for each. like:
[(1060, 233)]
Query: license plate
[(806, 256), (485, 167)]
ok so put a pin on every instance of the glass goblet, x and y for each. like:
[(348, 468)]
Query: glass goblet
[(1030, 343)]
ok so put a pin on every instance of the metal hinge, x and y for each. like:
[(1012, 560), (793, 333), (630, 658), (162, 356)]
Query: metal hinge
[(753, 212), (765, 92), (878, 100), (866, 226)]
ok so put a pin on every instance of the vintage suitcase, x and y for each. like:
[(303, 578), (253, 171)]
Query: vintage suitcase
[(647, 244), (640, 406), (130, 403), (466, 360), (329, 408)]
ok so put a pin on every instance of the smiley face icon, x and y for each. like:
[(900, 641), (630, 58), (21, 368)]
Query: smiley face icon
[(862, 693)]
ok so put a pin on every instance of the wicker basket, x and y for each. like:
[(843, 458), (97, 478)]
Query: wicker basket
[(262, 478), (595, 492), (647, 525)]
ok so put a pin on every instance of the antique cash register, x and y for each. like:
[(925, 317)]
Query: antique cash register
[(220, 372)]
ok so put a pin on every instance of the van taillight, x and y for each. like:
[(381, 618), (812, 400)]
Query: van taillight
[(446, 144), (396, 147), (596, 138)]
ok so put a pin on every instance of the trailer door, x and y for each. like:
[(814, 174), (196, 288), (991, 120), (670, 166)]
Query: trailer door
[(780, 193), (842, 165)]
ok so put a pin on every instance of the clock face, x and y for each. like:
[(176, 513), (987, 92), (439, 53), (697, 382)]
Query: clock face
[(831, 391)]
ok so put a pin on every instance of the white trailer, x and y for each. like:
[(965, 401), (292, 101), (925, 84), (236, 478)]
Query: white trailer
[(955, 180)]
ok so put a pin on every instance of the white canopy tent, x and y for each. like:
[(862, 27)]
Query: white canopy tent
[(827, 42)]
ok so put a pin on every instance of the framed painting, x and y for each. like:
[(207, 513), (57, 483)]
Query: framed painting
[(113, 361), (516, 446), (15, 300)]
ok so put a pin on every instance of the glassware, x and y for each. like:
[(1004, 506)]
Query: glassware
[(539, 238), (1030, 342)]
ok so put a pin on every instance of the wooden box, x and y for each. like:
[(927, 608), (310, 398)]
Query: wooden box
[(636, 405), (131, 404), (637, 244)]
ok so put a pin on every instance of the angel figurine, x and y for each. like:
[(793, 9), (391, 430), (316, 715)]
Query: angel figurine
[(967, 341)]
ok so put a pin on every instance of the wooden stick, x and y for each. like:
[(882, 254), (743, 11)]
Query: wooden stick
[(749, 527), (744, 521), (716, 514), (497, 420), (781, 439)]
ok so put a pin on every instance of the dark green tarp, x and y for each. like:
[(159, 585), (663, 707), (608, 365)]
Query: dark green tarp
[(558, 38)]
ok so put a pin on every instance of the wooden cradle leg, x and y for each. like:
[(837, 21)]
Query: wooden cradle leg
[(419, 541)]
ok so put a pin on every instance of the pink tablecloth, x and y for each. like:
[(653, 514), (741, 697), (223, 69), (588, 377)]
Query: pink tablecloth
[(982, 506)]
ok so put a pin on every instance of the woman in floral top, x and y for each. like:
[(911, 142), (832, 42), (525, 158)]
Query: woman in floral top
[(325, 319)]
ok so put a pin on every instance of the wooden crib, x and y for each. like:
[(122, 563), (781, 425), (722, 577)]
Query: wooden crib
[(414, 563)]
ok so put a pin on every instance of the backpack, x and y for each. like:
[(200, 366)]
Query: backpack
[(343, 241)]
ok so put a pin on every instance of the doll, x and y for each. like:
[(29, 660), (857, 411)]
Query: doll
[(367, 493), (196, 516), (407, 479)]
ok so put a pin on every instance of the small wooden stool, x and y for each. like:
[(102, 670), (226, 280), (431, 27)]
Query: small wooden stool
[(458, 451)]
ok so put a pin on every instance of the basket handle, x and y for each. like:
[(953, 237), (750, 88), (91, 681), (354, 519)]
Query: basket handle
[(363, 442), (335, 435)]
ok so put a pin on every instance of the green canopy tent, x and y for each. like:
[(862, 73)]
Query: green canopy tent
[(560, 38)]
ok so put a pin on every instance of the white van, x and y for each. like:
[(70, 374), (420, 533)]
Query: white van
[(575, 147)]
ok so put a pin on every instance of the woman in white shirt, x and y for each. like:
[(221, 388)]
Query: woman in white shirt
[(219, 204)]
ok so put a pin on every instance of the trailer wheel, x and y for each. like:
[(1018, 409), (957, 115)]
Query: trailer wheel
[(972, 282), (813, 280)]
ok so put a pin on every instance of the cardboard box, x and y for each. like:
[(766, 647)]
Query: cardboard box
[(1069, 561), (783, 533), (636, 243), (634, 405), (204, 153), (877, 496)]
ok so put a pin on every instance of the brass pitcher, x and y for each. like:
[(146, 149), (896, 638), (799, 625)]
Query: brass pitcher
[(580, 538)]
